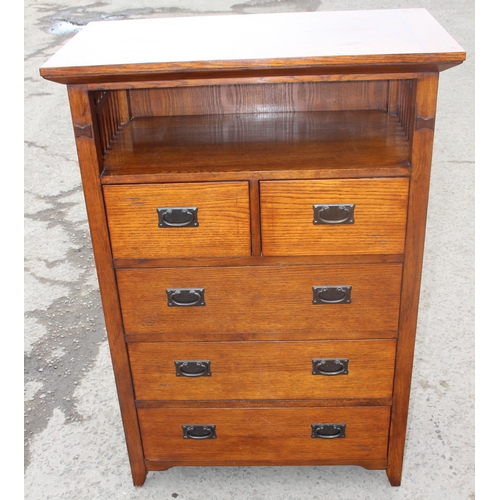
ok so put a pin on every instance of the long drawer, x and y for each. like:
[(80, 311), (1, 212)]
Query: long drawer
[(334, 217), (183, 371), (206, 219), (281, 435), (333, 299)]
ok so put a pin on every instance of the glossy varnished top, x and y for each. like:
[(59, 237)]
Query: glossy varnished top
[(394, 40)]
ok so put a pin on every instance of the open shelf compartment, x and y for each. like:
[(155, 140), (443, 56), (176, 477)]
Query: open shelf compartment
[(225, 130)]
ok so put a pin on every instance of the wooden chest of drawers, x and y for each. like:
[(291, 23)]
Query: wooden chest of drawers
[(257, 208)]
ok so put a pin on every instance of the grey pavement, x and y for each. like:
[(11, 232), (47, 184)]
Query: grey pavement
[(74, 443)]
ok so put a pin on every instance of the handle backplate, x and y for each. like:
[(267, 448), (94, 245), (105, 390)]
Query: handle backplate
[(330, 366), (177, 217), (336, 294), (192, 368), (334, 214), (199, 432), (186, 297), (328, 431)]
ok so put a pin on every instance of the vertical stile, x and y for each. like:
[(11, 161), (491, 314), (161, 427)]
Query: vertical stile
[(84, 113)]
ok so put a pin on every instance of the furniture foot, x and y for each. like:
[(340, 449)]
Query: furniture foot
[(139, 477), (394, 476)]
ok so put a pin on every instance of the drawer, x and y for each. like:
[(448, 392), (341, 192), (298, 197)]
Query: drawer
[(278, 435), (254, 299), (184, 371), (209, 219), (374, 224)]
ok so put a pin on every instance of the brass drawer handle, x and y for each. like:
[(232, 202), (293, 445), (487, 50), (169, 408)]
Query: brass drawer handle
[(328, 431), (177, 217), (192, 368), (332, 294), (330, 367), (186, 297), (334, 214), (198, 432)]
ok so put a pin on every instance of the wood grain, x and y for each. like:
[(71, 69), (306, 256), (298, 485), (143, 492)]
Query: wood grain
[(319, 108), (223, 217), (299, 77), (262, 370), (254, 193), (425, 106), (265, 403), (89, 157), (262, 299), (264, 98), (255, 435), (257, 142), (138, 175), (360, 41), (379, 217), (256, 260), (161, 465)]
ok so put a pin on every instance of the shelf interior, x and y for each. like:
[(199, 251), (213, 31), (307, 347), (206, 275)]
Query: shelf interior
[(225, 129), (258, 141)]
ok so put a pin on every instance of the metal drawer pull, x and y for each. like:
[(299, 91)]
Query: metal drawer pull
[(328, 431), (186, 297), (177, 217), (332, 294), (330, 367), (333, 214), (192, 368), (198, 432)]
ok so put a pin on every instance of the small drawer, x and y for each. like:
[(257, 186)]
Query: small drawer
[(328, 435), (178, 220), (338, 301), (208, 371), (334, 217)]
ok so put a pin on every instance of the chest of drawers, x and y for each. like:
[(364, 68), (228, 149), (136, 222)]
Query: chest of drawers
[(256, 189)]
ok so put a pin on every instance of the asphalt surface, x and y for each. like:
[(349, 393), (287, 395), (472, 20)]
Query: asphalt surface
[(74, 446)]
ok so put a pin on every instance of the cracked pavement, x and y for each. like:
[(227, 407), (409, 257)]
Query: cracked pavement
[(74, 444)]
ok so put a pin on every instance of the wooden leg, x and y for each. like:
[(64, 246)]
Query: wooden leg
[(139, 477), (423, 135), (89, 159), (394, 476)]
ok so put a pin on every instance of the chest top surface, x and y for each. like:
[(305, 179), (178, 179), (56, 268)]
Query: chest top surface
[(132, 49)]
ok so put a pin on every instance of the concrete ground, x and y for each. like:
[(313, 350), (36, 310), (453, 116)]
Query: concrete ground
[(74, 443)]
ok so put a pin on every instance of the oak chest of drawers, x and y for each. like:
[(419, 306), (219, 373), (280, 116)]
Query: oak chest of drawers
[(256, 188)]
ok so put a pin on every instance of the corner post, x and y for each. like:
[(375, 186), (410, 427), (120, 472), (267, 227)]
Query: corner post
[(421, 159), (90, 160)]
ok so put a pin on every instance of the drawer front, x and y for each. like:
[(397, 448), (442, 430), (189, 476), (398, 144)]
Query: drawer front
[(262, 299), (184, 371), (334, 217), (178, 220), (264, 434)]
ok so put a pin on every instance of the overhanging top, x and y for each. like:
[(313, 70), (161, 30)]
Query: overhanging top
[(390, 40)]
